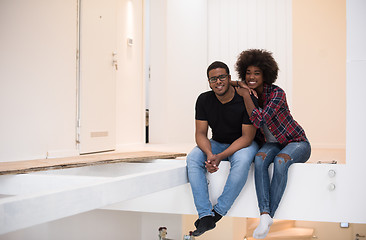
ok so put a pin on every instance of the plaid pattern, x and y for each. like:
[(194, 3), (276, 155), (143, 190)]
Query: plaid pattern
[(276, 115)]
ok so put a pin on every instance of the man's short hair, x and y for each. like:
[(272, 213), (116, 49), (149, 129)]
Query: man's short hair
[(162, 228), (218, 64)]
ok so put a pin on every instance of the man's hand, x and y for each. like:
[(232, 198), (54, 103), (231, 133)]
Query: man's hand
[(212, 163)]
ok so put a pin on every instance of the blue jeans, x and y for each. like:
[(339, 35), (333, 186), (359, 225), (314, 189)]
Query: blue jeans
[(269, 194), (240, 163)]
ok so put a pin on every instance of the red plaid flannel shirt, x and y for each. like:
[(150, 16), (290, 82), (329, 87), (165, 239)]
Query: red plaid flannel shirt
[(276, 115)]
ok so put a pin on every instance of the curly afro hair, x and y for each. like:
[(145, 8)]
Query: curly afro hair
[(258, 58)]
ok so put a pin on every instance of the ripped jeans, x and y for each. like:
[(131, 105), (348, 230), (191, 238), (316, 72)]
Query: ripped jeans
[(269, 193)]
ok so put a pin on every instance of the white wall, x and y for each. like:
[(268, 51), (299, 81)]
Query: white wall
[(37, 78), (103, 224), (178, 67), (235, 26), (356, 82), (186, 36), (356, 116), (130, 122), (38, 74), (319, 44)]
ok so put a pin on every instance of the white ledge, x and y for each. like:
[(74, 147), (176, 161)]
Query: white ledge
[(307, 196), (81, 193), (162, 187)]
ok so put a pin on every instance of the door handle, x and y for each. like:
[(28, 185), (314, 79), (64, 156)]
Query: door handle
[(115, 64)]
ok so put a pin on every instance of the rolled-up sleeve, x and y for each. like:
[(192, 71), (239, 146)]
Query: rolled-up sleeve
[(276, 99)]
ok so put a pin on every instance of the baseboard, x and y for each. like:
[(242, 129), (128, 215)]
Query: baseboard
[(130, 147), (62, 153)]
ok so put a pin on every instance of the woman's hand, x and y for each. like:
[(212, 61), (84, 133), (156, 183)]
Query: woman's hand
[(242, 88)]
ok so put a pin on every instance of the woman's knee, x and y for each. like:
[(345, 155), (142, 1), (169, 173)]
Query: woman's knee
[(260, 156), (282, 162), (282, 158), (260, 160)]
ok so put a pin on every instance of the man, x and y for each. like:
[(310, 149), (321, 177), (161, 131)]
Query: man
[(223, 110), (163, 231)]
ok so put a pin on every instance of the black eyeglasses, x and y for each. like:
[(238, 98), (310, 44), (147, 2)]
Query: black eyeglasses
[(214, 79)]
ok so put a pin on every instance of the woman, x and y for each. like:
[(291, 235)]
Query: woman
[(284, 140)]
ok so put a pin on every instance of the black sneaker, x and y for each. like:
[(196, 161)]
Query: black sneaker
[(216, 217), (204, 224), (196, 223)]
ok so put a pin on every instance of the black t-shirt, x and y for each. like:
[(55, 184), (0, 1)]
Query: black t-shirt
[(225, 120)]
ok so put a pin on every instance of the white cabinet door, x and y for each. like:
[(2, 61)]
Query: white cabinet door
[(98, 66)]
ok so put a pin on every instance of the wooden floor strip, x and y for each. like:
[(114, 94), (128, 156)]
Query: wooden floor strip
[(18, 167)]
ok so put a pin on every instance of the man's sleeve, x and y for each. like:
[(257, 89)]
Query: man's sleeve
[(255, 100), (200, 110), (246, 118)]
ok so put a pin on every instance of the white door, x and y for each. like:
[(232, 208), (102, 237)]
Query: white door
[(98, 66)]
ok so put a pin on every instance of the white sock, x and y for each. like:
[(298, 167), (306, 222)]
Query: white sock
[(263, 228)]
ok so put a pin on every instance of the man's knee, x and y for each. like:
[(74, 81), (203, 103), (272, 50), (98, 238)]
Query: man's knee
[(247, 152), (241, 158), (196, 155)]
